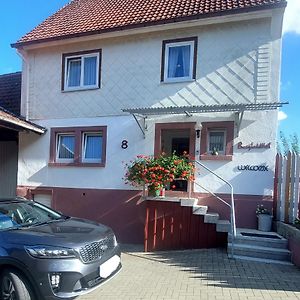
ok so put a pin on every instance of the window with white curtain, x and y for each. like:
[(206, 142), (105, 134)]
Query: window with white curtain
[(92, 147), (65, 147), (216, 141), (179, 60), (78, 146), (81, 71)]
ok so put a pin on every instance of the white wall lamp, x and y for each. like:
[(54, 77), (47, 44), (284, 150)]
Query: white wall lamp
[(198, 128)]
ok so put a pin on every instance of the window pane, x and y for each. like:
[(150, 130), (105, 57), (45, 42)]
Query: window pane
[(74, 71), (179, 61), (66, 146), (90, 70), (216, 141), (93, 146)]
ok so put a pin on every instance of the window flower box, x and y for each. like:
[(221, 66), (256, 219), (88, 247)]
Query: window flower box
[(158, 172)]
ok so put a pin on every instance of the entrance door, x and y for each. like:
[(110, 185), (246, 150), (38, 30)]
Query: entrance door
[(180, 145), (178, 138), (175, 141)]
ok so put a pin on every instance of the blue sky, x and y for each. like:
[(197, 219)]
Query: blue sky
[(17, 17)]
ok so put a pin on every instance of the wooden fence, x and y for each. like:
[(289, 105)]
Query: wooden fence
[(286, 188), (170, 226)]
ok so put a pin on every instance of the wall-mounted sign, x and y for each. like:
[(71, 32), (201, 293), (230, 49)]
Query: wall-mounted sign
[(254, 146), (261, 168)]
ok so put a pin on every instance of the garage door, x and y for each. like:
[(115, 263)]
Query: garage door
[(43, 199)]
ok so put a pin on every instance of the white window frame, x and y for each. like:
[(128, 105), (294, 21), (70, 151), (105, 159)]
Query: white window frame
[(224, 141), (81, 86), (83, 149), (169, 45), (58, 142)]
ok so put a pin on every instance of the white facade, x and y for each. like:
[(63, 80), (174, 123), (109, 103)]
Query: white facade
[(256, 127), (237, 62)]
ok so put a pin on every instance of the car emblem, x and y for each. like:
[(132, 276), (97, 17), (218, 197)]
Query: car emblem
[(103, 247)]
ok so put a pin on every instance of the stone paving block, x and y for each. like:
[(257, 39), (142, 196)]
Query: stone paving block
[(197, 274)]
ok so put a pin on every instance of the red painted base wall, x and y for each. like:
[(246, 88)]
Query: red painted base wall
[(123, 211), (119, 209)]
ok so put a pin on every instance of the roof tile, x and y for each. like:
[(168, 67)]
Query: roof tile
[(85, 17), (10, 92)]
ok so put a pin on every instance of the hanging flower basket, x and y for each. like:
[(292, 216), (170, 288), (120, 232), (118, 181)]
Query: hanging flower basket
[(156, 192)]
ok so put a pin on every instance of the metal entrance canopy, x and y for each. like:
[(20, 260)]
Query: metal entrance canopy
[(189, 110)]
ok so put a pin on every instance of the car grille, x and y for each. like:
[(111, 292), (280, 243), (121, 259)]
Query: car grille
[(95, 250)]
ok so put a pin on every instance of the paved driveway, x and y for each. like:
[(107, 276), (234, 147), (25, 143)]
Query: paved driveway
[(198, 274)]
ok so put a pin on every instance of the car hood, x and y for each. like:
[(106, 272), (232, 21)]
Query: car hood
[(71, 232)]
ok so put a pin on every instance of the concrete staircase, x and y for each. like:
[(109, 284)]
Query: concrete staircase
[(254, 245), (249, 244), (209, 217)]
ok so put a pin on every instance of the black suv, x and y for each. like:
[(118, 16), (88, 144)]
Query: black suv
[(47, 255)]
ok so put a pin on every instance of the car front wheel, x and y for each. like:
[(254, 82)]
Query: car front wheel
[(14, 286)]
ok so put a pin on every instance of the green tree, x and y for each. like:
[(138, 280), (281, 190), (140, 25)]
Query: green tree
[(286, 144), (295, 146)]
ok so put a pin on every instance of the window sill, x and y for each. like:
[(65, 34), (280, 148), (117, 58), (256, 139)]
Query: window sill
[(76, 164), (215, 157), (168, 81), (79, 89)]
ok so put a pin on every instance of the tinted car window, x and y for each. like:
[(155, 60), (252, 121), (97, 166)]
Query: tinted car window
[(18, 214)]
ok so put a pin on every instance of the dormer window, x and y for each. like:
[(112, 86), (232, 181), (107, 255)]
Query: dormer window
[(179, 60), (81, 70)]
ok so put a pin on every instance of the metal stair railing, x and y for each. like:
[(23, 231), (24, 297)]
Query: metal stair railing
[(232, 207), (212, 193)]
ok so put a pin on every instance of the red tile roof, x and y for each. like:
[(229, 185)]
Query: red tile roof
[(86, 17)]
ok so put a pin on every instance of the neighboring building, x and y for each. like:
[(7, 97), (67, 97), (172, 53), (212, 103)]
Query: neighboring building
[(112, 80), (10, 92), (10, 124)]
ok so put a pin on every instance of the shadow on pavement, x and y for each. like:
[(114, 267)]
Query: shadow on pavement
[(213, 268)]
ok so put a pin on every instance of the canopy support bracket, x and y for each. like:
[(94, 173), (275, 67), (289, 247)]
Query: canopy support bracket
[(238, 120), (143, 126)]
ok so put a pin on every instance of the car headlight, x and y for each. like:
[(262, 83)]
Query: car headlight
[(115, 241), (50, 252)]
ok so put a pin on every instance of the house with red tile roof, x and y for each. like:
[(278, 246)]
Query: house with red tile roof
[(111, 80)]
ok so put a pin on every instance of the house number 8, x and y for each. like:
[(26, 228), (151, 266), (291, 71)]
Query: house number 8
[(124, 144)]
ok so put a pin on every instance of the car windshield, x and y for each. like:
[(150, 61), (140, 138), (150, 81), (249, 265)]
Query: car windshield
[(23, 214)]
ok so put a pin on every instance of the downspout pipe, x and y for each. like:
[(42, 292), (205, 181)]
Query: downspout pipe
[(25, 66)]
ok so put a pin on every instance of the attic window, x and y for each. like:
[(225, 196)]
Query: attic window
[(81, 70)]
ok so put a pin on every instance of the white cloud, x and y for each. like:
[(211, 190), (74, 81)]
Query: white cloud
[(286, 85), (291, 21), (282, 116)]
